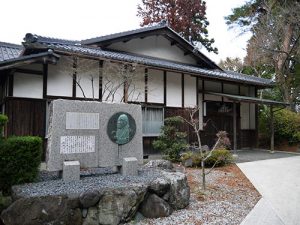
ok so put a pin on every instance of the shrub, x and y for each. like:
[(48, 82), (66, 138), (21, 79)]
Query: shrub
[(221, 157), (20, 158), (3, 121), (171, 141), (286, 126)]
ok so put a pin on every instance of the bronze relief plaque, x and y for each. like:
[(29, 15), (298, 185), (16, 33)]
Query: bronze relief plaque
[(121, 128)]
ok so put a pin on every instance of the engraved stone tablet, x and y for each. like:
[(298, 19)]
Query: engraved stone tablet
[(77, 121), (77, 144)]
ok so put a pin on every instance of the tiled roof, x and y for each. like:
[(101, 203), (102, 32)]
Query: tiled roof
[(71, 47), (9, 51)]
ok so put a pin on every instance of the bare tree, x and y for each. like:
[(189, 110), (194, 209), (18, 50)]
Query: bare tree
[(121, 82), (222, 140)]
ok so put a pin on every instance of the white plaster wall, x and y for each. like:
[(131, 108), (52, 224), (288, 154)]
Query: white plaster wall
[(60, 78), (154, 46), (112, 84), (28, 85), (155, 86), (87, 78), (190, 92), (231, 89), (244, 113), (252, 116), (136, 90), (201, 111), (212, 86), (174, 90)]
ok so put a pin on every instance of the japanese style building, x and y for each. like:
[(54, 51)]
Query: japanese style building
[(151, 66)]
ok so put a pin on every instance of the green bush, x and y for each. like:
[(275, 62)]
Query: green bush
[(20, 158), (171, 141), (3, 121), (286, 126), (221, 157)]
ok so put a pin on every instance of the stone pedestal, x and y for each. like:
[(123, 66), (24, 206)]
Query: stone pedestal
[(130, 166), (71, 171)]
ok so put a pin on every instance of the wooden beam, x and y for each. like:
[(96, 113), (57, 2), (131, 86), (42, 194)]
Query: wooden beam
[(100, 78), (74, 77), (165, 87), (45, 79), (10, 84), (29, 71), (182, 90), (146, 85)]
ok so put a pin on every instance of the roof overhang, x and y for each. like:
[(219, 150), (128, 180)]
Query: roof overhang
[(239, 98), (44, 57)]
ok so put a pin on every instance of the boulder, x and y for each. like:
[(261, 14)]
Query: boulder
[(159, 186), (179, 190), (120, 205), (92, 217), (89, 198), (155, 207), (41, 210), (160, 164)]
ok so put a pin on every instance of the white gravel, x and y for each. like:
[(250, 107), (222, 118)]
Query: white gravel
[(222, 204)]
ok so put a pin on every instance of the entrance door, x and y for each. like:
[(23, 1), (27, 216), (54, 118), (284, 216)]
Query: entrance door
[(219, 117)]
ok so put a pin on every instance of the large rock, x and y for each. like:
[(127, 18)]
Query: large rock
[(120, 205), (41, 210), (92, 217), (159, 186), (154, 207), (179, 190), (160, 164), (89, 198)]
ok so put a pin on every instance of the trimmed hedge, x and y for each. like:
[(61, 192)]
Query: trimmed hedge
[(20, 158)]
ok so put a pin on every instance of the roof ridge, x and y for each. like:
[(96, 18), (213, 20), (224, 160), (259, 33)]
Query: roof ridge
[(10, 45), (31, 38), (123, 33)]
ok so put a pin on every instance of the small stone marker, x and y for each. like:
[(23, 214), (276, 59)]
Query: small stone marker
[(130, 166), (71, 170)]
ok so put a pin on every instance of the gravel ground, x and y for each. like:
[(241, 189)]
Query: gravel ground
[(50, 184), (228, 199)]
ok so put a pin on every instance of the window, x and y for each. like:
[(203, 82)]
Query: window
[(153, 119)]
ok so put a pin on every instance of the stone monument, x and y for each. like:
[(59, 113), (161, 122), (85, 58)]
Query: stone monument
[(94, 133)]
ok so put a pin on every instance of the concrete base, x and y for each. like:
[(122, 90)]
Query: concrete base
[(130, 166), (71, 171)]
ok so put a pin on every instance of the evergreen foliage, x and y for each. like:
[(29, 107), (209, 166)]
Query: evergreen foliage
[(171, 141)]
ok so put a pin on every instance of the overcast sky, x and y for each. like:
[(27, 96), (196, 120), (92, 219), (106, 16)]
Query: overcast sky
[(76, 20)]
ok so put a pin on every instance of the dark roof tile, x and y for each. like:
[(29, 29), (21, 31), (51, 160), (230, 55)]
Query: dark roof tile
[(9, 51)]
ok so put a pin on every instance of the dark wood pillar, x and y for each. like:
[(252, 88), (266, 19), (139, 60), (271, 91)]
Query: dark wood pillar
[(272, 128), (234, 128)]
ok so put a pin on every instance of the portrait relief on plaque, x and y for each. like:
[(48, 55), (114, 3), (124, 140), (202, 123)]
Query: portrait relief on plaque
[(121, 128)]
